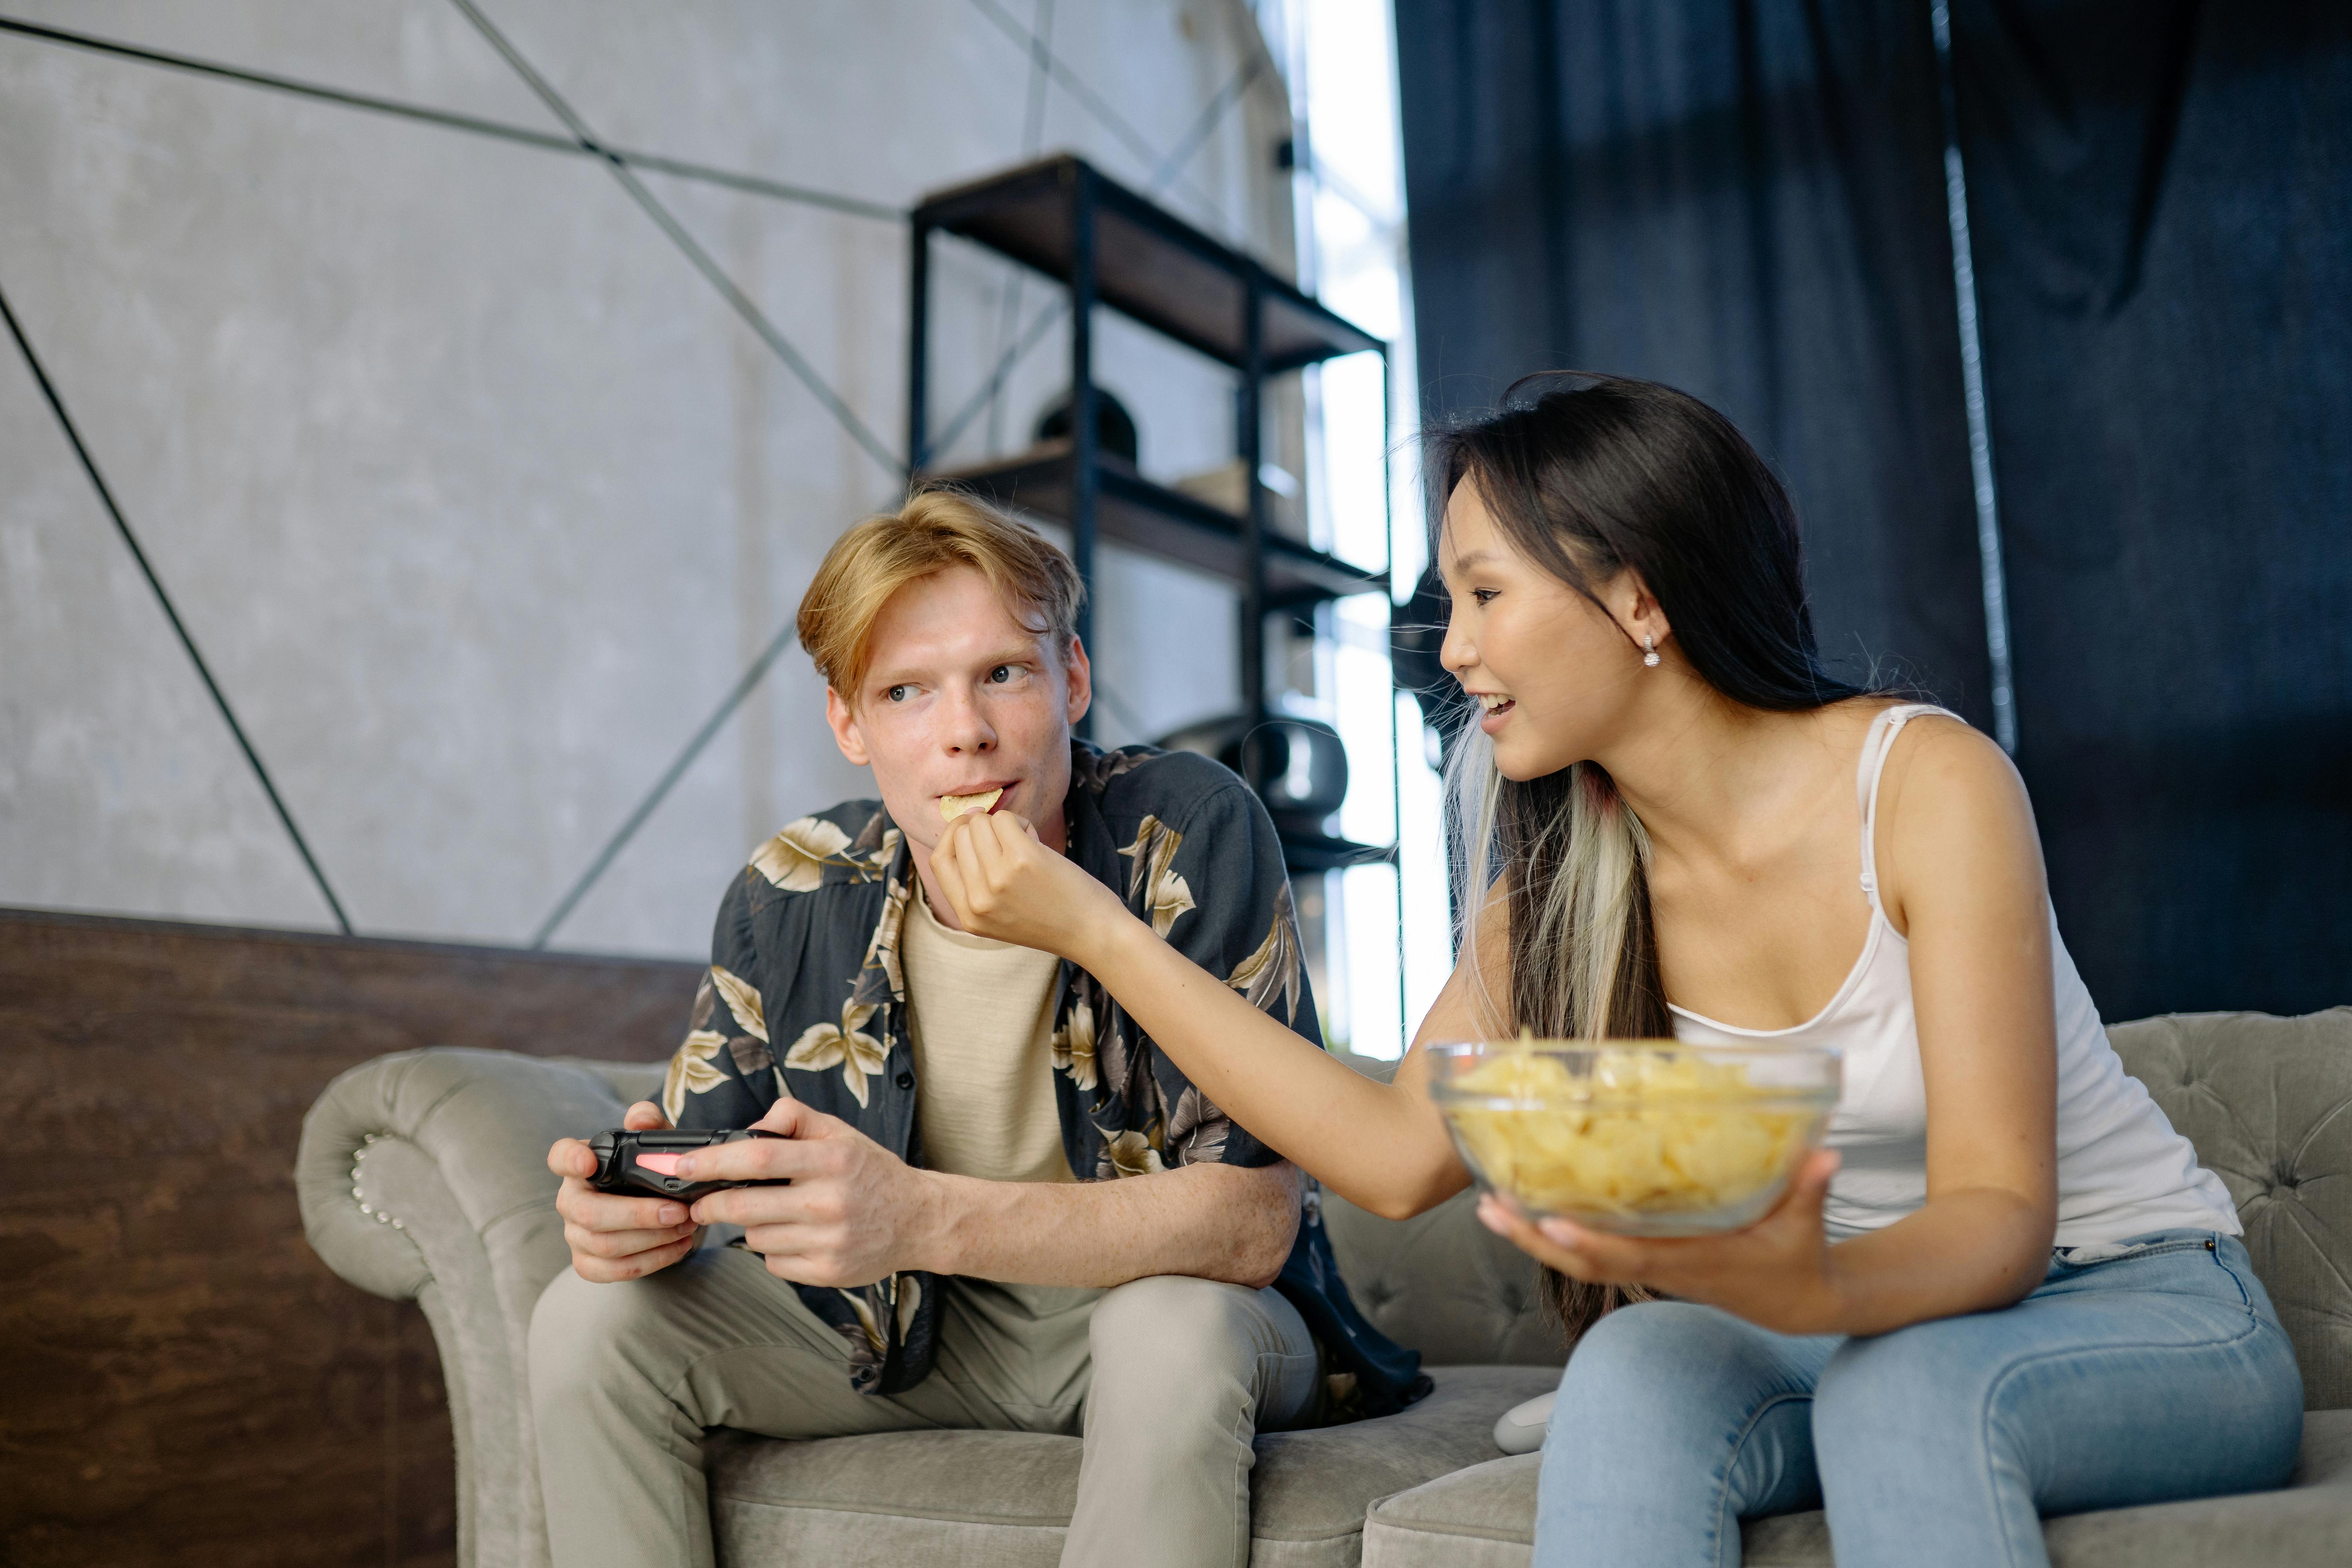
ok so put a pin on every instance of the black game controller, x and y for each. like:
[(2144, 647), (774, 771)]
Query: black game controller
[(632, 1162)]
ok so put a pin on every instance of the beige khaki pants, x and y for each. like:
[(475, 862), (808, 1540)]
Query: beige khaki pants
[(1167, 1378)]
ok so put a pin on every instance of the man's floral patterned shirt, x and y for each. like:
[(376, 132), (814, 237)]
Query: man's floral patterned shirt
[(804, 997)]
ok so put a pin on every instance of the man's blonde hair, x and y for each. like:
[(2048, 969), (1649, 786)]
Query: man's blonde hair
[(936, 529)]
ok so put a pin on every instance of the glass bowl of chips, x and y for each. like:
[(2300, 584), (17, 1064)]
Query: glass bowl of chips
[(1638, 1136)]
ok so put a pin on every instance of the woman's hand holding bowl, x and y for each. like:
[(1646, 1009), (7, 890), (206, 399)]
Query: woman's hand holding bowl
[(1775, 1274)]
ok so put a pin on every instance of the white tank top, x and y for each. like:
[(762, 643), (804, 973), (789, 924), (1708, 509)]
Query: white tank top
[(2121, 1170)]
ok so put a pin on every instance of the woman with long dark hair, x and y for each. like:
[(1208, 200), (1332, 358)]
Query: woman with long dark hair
[(2005, 1288)]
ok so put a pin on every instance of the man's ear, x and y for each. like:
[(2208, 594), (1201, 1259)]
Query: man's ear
[(843, 724), (1082, 680)]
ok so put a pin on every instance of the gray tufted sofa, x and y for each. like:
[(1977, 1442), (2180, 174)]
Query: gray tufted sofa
[(423, 1177)]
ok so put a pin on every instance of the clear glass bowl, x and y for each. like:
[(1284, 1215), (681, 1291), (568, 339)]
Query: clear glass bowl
[(1640, 1137)]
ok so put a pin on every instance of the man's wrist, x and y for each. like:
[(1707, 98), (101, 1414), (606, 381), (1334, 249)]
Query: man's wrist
[(941, 1225)]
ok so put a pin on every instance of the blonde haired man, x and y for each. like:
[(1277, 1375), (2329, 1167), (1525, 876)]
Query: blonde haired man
[(1006, 1209)]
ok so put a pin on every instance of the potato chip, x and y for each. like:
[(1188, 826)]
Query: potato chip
[(954, 805)]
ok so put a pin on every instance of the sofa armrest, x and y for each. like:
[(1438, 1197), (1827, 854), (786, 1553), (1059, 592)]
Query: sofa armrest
[(423, 1177)]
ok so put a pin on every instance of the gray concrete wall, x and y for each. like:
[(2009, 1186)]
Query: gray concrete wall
[(474, 494)]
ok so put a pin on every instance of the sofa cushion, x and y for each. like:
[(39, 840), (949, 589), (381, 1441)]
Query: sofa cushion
[(1002, 1500), (2268, 1102), (1484, 1517), (1445, 1285)]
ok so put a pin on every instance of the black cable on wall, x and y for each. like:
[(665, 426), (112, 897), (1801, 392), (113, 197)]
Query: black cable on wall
[(449, 120), (171, 612), (741, 302)]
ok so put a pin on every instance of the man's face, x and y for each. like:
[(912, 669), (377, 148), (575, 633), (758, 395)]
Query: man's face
[(960, 698)]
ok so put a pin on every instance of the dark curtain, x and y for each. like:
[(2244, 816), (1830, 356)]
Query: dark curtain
[(1748, 201), (2161, 197), (1745, 200)]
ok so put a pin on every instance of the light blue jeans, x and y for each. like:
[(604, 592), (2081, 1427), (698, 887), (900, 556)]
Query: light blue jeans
[(2152, 1370)]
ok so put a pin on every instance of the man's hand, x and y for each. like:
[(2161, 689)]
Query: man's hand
[(1008, 886), (1776, 1273), (854, 1212), (613, 1237)]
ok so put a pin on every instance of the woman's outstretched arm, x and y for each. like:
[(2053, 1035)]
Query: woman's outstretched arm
[(1382, 1147)]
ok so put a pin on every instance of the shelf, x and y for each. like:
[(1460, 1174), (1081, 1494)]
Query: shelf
[(1133, 510), (1149, 264), (1309, 853)]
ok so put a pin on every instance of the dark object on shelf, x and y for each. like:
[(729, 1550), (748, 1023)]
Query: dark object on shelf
[(1297, 766), (1312, 854), (1299, 769), (1114, 426), (1110, 246), (1416, 649)]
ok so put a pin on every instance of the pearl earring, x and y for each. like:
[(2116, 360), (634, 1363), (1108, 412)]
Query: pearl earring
[(1649, 650)]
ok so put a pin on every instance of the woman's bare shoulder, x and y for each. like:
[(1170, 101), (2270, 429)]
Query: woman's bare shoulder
[(1952, 808), (1939, 759), (1954, 751)]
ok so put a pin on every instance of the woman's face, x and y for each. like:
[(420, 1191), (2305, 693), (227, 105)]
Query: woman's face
[(1554, 673)]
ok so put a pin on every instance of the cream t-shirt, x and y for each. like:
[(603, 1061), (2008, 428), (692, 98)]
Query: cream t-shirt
[(980, 1016)]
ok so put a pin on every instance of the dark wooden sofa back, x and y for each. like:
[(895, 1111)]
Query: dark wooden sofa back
[(182, 1381)]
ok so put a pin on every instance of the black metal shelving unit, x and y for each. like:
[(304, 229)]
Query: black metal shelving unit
[(1110, 246)]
